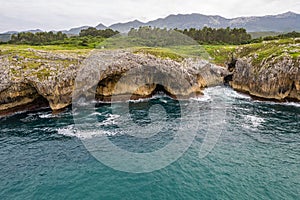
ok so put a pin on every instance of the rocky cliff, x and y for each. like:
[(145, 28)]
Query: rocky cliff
[(37, 78), (33, 79), (276, 78)]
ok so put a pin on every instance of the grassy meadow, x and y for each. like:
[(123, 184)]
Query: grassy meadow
[(218, 54)]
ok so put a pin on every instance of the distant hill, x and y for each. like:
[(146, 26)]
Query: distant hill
[(101, 27), (276, 23), (125, 27), (5, 37), (189, 21), (34, 31), (75, 31), (285, 22), (31, 31), (11, 32)]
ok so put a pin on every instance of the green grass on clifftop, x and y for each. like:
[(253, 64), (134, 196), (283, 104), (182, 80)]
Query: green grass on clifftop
[(38, 60), (218, 54), (270, 50)]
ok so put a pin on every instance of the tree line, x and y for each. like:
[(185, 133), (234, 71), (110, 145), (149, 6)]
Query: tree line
[(293, 34), (203, 36), (148, 36), (209, 35), (40, 38), (47, 38), (107, 33)]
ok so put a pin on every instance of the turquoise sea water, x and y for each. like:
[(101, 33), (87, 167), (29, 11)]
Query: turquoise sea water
[(256, 157)]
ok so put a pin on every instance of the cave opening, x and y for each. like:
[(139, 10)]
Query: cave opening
[(161, 90), (232, 64), (29, 100), (228, 79)]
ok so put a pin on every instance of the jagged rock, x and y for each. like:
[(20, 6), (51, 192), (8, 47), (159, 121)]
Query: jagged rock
[(179, 79), (277, 79), (51, 76), (17, 94)]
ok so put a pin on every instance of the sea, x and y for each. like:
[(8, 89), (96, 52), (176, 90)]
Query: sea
[(222, 145)]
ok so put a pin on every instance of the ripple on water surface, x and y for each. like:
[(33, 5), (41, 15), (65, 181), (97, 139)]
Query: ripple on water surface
[(257, 156)]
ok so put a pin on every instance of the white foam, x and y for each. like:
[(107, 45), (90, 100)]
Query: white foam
[(279, 103), (163, 100), (68, 131), (71, 131), (46, 116), (255, 121), (95, 114), (92, 130), (139, 100), (111, 120), (236, 95), (204, 98), (292, 104), (29, 118), (158, 96), (85, 134)]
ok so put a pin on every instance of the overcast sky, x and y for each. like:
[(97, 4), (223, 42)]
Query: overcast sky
[(65, 14)]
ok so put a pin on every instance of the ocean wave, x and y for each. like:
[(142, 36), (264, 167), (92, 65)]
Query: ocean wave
[(92, 129), (30, 118), (236, 95), (293, 104), (253, 121), (46, 115), (68, 131), (158, 96), (204, 98), (71, 131), (111, 120)]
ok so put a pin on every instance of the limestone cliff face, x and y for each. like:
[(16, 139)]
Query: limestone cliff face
[(58, 94), (17, 94), (277, 79), (29, 83), (51, 77), (180, 79)]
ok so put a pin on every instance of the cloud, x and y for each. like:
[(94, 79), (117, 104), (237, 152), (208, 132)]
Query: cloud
[(61, 14)]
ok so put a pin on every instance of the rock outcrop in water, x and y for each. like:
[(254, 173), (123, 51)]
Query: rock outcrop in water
[(274, 78), (177, 79), (49, 78), (29, 83)]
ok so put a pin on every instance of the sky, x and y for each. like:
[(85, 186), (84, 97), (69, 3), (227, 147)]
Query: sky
[(65, 14)]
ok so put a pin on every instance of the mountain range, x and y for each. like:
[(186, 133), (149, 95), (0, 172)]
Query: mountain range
[(285, 22)]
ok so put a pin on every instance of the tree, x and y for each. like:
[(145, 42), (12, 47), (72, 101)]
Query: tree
[(107, 33)]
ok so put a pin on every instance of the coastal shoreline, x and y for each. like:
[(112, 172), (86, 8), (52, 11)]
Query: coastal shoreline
[(46, 78)]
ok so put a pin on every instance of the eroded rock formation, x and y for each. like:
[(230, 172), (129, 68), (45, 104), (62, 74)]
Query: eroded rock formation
[(275, 79), (121, 73), (52, 77)]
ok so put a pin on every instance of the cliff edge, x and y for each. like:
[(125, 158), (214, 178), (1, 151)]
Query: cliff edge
[(32, 78), (270, 70)]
